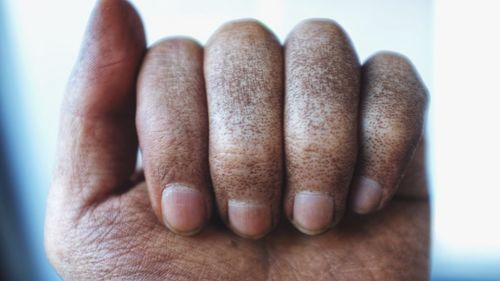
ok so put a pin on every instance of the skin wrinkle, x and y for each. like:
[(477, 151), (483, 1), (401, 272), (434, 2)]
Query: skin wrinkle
[(243, 72), (347, 262), (101, 56), (353, 234), (410, 187), (322, 86), (112, 240), (91, 114)]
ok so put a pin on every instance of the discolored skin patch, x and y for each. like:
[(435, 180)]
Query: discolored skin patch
[(172, 120), (244, 78), (321, 110), (392, 114)]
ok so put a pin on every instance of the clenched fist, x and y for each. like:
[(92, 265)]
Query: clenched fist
[(242, 138)]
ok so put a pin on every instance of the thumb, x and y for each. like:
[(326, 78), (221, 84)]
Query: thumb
[(97, 140)]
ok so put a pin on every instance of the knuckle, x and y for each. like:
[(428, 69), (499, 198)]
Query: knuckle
[(321, 24), (248, 24), (245, 166), (231, 157), (392, 135), (340, 143), (393, 75), (176, 43), (391, 57), (242, 30), (318, 32)]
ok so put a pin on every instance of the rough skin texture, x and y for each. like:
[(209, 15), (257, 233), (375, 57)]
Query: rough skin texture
[(101, 224)]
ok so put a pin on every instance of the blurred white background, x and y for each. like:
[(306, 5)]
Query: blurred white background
[(443, 39)]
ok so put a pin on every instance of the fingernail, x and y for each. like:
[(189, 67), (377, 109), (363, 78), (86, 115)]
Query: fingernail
[(367, 196), (249, 220), (184, 209), (312, 212)]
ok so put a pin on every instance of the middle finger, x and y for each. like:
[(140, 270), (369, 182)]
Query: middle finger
[(321, 108), (244, 80)]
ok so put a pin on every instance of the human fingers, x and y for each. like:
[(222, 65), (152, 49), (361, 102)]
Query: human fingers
[(97, 140), (321, 110), (393, 103), (172, 125), (244, 76)]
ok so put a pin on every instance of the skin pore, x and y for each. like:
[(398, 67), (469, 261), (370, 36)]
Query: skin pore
[(224, 130)]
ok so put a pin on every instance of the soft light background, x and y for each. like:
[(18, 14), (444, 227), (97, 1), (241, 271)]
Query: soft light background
[(40, 41)]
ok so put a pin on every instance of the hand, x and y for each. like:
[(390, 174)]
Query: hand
[(101, 225)]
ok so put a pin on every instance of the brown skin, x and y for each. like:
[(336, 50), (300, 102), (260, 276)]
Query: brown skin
[(244, 74), (392, 116), (171, 121), (321, 114), (101, 224)]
